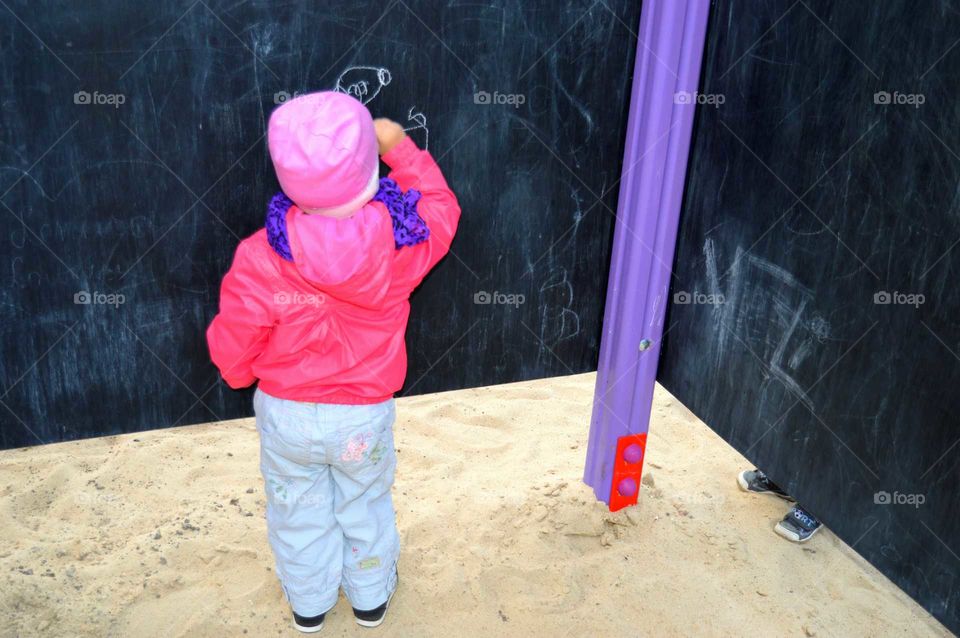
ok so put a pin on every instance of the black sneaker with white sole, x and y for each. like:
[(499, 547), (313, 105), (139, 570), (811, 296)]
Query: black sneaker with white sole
[(757, 482), (310, 625), (374, 617), (798, 525)]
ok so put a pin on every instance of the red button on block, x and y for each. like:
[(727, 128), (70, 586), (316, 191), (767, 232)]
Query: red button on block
[(625, 486)]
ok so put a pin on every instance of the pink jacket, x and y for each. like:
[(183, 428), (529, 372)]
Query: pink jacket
[(329, 326)]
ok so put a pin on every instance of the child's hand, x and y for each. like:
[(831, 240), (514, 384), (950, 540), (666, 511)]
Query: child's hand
[(389, 134)]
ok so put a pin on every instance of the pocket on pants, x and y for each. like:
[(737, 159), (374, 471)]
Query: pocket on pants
[(366, 437), (286, 427)]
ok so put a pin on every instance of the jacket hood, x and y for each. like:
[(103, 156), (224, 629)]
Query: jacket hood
[(347, 258)]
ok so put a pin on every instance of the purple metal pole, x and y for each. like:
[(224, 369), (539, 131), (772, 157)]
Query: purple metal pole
[(662, 104)]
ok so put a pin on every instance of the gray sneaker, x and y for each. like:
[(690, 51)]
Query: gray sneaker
[(798, 525), (757, 482)]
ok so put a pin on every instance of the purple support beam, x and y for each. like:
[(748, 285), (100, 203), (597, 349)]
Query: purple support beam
[(662, 104)]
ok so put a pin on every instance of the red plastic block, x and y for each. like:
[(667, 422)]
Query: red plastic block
[(625, 486)]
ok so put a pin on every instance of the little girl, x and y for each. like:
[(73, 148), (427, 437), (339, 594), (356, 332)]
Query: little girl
[(315, 306)]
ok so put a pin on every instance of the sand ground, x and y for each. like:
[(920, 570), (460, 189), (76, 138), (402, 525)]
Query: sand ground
[(162, 533)]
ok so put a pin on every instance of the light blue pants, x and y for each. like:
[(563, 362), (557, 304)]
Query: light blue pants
[(327, 471)]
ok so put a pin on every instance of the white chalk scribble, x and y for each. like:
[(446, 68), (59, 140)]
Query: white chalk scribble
[(420, 122), (794, 332), (365, 82)]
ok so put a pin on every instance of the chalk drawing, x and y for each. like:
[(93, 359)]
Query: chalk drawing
[(363, 82), (726, 312), (420, 122), (558, 321), (794, 340), (776, 361)]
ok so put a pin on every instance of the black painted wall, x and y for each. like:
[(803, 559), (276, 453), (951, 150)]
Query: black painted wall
[(822, 213), (132, 161)]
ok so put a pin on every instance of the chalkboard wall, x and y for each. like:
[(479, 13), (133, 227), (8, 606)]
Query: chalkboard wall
[(815, 322), (132, 162)]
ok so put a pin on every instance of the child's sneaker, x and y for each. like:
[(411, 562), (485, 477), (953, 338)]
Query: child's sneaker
[(798, 525), (374, 617), (757, 482), (308, 625)]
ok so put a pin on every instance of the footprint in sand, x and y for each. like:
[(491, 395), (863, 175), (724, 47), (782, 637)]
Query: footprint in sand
[(556, 590)]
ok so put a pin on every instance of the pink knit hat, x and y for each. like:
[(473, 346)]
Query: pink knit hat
[(324, 150)]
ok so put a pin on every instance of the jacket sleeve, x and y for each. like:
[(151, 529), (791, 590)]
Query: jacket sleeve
[(239, 333), (438, 206)]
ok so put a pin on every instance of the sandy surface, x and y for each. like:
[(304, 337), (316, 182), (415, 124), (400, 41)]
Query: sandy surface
[(162, 534)]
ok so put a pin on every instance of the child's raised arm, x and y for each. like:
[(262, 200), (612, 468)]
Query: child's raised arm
[(438, 206)]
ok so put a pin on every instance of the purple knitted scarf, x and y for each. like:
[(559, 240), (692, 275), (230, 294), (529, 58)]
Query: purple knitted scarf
[(409, 229)]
